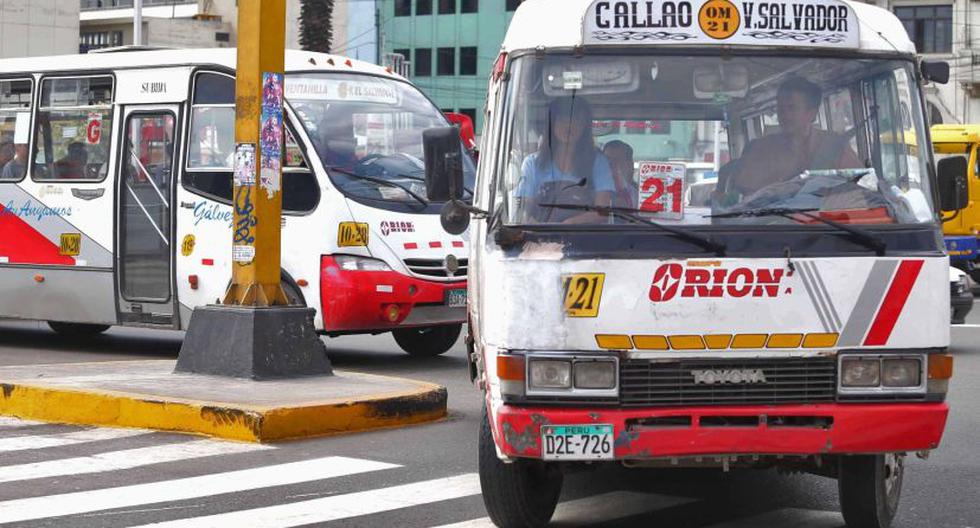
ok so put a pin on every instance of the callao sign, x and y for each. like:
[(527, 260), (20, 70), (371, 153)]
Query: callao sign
[(669, 280)]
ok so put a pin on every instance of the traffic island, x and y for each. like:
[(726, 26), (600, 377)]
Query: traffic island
[(149, 394)]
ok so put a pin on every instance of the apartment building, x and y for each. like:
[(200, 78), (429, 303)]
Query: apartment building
[(37, 27)]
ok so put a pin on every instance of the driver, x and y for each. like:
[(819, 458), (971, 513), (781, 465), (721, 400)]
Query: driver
[(567, 168), (799, 145), (338, 146)]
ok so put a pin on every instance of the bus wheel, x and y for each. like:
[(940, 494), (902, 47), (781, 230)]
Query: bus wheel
[(77, 329), (521, 494), (869, 487), (428, 341)]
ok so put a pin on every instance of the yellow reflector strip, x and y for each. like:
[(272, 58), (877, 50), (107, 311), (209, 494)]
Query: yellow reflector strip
[(689, 342), (785, 341), (648, 342), (750, 341), (614, 342), (820, 340), (716, 342)]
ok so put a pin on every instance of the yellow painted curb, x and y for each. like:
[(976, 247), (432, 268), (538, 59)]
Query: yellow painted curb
[(221, 420)]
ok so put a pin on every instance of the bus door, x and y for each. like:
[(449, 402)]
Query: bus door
[(145, 237)]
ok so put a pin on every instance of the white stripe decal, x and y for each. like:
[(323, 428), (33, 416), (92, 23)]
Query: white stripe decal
[(125, 459), (20, 443), (185, 488), (810, 291), (338, 506), (835, 318)]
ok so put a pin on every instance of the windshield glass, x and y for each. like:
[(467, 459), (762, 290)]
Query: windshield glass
[(683, 139), (367, 131)]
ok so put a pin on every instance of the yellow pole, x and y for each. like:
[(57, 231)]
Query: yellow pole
[(258, 155)]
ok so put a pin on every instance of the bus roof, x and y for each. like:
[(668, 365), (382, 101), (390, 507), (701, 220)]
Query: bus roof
[(296, 60), (956, 134), (567, 21)]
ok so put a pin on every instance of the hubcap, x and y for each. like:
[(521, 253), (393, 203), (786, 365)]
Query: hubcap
[(893, 472)]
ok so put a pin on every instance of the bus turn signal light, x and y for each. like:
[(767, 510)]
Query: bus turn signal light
[(940, 366), (510, 368)]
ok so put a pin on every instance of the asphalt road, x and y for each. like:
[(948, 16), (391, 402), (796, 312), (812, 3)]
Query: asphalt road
[(425, 476)]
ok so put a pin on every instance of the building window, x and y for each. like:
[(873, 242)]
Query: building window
[(467, 61), (403, 7), (99, 40), (423, 7), (222, 36), (469, 112), (929, 27), (469, 6), (423, 62), (447, 7), (512, 4), (446, 62)]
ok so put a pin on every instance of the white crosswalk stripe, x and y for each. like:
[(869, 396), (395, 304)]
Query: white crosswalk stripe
[(185, 488), (125, 459), (20, 443), (7, 421)]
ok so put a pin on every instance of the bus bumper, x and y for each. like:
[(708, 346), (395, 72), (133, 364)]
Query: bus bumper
[(366, 301), (836, 429)]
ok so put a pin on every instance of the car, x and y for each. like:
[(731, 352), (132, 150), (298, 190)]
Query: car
[(960, 295)]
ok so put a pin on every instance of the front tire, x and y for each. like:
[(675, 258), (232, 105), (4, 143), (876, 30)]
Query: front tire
[(428, 341), (870, 487), (521, 494), (77, 329)]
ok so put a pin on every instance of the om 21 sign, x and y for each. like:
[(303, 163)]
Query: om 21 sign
[(662, 189), (808, 23)]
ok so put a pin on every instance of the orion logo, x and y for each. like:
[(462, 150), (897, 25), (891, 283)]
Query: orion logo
[(666, 281), (669, 279)]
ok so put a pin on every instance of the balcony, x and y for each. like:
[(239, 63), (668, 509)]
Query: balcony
[(89, 5), (102, 11)]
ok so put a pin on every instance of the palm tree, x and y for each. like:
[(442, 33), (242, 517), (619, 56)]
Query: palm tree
[(315, 29)]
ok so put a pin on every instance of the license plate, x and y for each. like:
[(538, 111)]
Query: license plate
[(577, 442), (456, 298)]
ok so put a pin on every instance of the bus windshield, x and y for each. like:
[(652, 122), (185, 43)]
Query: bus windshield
[(705, 140), (367, 131)]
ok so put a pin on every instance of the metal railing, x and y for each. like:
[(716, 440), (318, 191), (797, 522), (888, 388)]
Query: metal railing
[(90, 5)]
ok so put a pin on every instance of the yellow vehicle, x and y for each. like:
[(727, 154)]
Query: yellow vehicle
[(961, 228)]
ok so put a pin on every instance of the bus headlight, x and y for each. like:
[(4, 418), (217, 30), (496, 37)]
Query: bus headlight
[(901, 373), (595, 375), (550, 374), (882, 374), (354, 263), (860, 372)]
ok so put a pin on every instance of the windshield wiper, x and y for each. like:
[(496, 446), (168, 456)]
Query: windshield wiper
[(380, 181), (866, 238), (627, 214)]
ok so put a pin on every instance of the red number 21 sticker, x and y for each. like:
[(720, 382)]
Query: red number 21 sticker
[(662, 189)]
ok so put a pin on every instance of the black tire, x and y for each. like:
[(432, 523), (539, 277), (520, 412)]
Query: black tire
[(870, 487), (293, 293), (521, 494), (77, 329), (428, 341)]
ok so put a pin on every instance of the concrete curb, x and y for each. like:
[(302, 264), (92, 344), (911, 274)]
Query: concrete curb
[(426, 403)]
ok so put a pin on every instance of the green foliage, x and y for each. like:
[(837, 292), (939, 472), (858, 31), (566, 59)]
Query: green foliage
[(315, 25)]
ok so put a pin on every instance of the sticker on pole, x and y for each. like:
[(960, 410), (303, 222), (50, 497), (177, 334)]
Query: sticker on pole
[(243, 254), (662, 189), (244, 164), (270, 134)]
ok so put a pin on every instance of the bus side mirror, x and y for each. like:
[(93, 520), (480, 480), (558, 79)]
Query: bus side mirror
[(935, 71), (443, 164), (953, 193)]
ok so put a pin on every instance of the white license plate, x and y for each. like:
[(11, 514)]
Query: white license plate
[(456, 298), (577, 442)]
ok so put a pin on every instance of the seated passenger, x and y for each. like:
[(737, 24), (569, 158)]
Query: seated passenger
[(567, 168), (799, 146), (620, 157), (17, 166), (337, 144), (72, 166)]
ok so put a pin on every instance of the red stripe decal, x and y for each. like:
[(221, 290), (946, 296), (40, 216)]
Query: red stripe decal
[(457, 244), (411, 245), (207, 262), (22, 244), (435, 245), (891, 307)]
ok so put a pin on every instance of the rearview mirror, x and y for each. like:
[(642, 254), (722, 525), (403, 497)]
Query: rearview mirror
[(935, 71), (443, 164), (730, 80), (953, 193)]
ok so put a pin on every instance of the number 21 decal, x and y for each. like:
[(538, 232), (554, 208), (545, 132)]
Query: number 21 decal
[(583, 291)]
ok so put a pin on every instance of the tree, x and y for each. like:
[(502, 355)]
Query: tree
[(315, 25)]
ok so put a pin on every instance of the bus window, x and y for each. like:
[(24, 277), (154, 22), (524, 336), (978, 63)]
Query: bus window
[(15, 104), (73, 129), (210, 154)]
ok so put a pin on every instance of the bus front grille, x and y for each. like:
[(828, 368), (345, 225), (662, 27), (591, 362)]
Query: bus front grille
[(436, 268), (727, 382)]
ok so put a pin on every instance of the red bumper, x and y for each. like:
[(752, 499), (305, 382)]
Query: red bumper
[(846, 429), (362, 301)]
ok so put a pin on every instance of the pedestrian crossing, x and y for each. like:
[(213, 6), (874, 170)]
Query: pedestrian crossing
[(98, 478)]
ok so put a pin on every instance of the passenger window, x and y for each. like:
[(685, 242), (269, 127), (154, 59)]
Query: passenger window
[(15, 115), (73, 129)]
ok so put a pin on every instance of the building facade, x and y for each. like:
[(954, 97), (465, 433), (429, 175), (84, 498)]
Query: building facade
[(37, 27), (448, 47)]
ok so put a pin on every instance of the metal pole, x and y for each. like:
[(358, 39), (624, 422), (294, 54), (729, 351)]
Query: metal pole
[(257, 203), (137, 22)]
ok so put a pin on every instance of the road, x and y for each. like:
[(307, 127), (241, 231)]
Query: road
[(424, 476)]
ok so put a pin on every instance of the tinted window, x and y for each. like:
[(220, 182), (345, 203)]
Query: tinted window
[(469, 6), (447, 7), (214, 88), (447, 61), (423, 7), (423, 62), (403, 7), (467, 61), (73, 129), (15, 103)]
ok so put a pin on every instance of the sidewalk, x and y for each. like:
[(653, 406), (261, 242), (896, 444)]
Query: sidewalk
[(148, 394)]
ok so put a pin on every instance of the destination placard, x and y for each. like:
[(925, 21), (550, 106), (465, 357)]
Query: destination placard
[(800, 23)]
